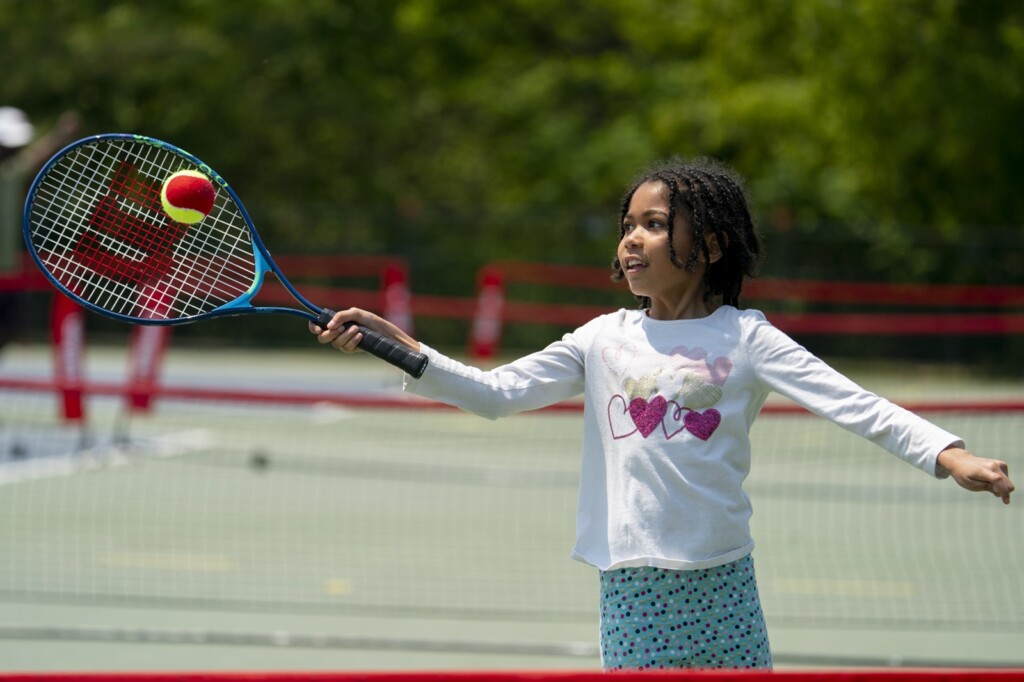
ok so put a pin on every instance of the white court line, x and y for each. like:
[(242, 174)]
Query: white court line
[(105, 456)]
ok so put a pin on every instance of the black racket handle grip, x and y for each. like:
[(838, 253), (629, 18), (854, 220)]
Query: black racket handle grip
[(410, 361)]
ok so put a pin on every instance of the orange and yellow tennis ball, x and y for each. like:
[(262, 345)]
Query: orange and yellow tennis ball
[(188, 196)]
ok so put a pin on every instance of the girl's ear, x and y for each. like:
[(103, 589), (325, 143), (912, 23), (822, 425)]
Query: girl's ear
[(714, 248)]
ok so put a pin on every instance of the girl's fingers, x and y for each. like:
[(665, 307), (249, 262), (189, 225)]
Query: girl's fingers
[(993, 478), (335, 333), (347, 339)]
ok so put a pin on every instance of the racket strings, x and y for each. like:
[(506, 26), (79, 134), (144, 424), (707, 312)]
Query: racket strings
[(214, 264), (98, 227)]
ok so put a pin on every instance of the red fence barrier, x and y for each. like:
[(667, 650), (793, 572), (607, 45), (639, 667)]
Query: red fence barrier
[(985, 310), (495, 308), (67, 333)]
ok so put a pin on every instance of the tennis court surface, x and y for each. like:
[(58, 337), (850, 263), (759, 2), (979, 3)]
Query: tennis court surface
[(291, 510)]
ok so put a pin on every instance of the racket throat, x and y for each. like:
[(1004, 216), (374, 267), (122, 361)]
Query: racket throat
[(325, 316)]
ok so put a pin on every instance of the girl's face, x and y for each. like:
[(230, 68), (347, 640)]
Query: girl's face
[(645, 259)]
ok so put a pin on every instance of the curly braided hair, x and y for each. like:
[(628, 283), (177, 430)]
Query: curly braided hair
[(712, 199)]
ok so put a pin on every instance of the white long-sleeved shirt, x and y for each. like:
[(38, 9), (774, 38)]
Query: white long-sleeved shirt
[(668, 407)]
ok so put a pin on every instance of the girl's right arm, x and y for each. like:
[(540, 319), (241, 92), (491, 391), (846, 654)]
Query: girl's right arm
[(347, 340), (529, 383)]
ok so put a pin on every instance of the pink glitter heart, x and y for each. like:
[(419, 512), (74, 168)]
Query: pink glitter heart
[(714, 372), (647, 415), (701, 424), (720, 369)]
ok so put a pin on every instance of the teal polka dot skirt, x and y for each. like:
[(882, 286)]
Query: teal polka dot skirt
[(655, 618)]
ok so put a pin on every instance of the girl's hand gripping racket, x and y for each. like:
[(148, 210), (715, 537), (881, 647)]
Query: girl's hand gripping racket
[(98, 227)]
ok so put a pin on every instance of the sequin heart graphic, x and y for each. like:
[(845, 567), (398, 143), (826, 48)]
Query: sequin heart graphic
[(619, 421), (698, 394), (702, 424), (673, 423), (647, 414), (715, 372), (618, 359), (641, 388)]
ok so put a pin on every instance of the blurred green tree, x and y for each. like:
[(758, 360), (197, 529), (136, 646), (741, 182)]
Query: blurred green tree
[(457, 132)]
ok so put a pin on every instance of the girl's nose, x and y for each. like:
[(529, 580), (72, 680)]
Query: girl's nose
[(632, 238)]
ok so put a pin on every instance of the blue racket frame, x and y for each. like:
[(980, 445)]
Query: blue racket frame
[(241, 305), (376, 344)]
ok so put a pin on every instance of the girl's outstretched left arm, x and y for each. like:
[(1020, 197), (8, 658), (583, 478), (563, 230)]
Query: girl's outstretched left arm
[(977, 473)]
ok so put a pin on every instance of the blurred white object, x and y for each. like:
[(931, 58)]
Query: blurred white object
[(15, 128)]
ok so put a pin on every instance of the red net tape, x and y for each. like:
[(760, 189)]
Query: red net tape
[(532, 676)]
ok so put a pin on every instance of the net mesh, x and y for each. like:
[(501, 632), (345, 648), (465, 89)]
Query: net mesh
[(410, 510)]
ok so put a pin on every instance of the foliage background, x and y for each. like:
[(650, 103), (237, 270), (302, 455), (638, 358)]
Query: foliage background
[(880, 140)]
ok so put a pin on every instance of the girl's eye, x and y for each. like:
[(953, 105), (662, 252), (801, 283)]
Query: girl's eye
[(650, 225)]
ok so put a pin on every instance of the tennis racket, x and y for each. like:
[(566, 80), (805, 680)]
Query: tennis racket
[(95, 226)]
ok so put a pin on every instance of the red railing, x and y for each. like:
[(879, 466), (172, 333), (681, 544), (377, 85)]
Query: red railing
[(967, 310)]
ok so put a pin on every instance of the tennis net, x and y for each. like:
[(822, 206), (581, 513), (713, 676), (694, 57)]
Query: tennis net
[(275, 501)]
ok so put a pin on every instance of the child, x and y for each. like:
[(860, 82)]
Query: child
[(671, 390)]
